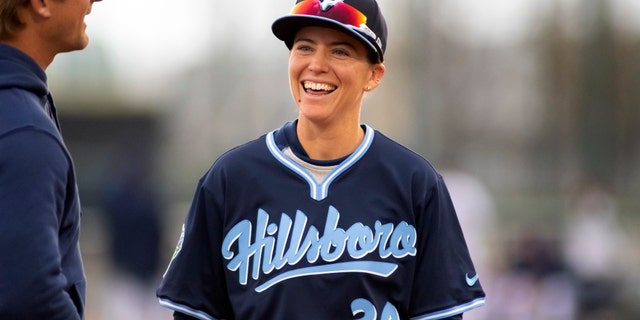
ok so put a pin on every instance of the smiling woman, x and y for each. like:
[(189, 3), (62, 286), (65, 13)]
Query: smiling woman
[(325, 204)]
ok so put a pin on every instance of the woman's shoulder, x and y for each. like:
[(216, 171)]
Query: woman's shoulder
[(390, 150), (242, 154)]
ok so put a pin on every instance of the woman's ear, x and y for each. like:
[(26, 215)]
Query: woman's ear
[(376, 76)]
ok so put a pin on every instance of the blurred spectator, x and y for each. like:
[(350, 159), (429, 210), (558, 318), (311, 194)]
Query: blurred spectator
[(537, 285), (133, 219), (594, 243)]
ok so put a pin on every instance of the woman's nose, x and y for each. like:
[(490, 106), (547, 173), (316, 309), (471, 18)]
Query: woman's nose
[(318, 62)]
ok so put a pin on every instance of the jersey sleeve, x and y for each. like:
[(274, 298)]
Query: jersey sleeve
[(194, 283), (446, 283), (33, 176)]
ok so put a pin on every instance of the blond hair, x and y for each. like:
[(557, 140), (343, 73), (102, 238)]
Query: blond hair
[(10, 22)]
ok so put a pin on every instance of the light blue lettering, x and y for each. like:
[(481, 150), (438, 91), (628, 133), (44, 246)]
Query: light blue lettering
[(334, 239), (298, 249), (383, 233), (276, 245), (240, 233), (369, 312), (389, 312), (364, 307), (264, 245), (361, 241), (277, 260)]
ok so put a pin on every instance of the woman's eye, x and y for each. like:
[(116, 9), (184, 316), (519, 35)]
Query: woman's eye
[(341, 52), (303, 48)]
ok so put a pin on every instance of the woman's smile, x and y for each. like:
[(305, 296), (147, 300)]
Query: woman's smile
[(318, 88)]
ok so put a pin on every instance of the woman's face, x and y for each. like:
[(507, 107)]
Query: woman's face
[(328, 74)]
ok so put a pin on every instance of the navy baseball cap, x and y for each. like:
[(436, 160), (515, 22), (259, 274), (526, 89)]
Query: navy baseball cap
[(360, 18)]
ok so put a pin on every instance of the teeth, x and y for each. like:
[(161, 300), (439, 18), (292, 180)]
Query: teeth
[(318, 86)]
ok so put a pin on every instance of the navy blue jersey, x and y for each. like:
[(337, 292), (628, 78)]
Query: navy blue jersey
[(377, 238)]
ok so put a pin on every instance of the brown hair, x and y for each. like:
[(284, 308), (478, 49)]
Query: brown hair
[(9, 21)]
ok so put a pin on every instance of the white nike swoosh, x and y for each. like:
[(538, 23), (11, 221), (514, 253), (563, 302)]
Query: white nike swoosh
[(471, 281)]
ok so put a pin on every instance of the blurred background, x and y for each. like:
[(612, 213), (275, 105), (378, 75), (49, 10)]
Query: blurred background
[(529, 108)]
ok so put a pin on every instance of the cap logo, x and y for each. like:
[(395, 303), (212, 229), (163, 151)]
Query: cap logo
[(327, 4)]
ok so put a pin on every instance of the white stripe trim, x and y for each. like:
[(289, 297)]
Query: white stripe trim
[(347, 163), (319, 191), (287, 162), (452, 311), (186, 310)]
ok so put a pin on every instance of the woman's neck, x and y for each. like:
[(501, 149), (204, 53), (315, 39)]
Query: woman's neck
[(329, 143)]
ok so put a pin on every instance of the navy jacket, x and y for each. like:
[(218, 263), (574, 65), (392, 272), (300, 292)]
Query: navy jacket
[(41, 273)]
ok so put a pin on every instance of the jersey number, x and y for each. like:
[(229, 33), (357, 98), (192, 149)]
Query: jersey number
[(369, 312)]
